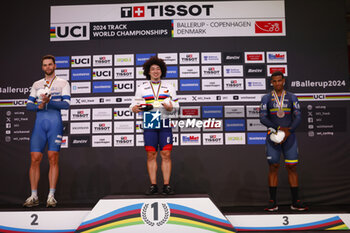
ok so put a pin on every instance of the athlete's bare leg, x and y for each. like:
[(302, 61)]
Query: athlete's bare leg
[(152, 166), (34, 170), (54, 168), (292, 175), (166, 165), (273, 175)]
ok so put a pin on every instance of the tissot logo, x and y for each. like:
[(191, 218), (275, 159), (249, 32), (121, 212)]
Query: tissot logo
[(124, 73), (211, 71), (66, 32), (233, 84), (80, 114), (124, 140), (166, 10), (189, 58), (102, 60), (101, 127)]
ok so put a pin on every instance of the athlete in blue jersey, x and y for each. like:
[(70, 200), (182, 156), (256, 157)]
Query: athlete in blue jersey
[(48, 96), (280, 110), (154, 93)]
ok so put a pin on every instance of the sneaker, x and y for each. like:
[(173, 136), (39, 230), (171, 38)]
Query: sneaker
[(51, 201), (153, 189), (272, 206), (167, 190), (31, 202), (299, 206)]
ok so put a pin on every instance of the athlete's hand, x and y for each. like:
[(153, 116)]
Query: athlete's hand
[(168, 107), (287, 133), (45, 98), (136, 109)]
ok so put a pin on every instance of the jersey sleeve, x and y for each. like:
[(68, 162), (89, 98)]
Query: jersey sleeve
[(65, 102), (174, 99), (296, 114), (264, 113), (137, 97), (31, 106)]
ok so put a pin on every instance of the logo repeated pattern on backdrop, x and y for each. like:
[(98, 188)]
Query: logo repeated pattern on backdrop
[(106, 121)]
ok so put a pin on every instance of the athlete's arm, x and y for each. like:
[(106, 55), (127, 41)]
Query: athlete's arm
[(31, 106), (174, 103), (264, 114), (65, 102), (134, 106), (296, 114)]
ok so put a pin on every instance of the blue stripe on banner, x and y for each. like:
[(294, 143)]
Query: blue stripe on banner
[(114, 212), (336, 218), (193, 211), (36, 231)]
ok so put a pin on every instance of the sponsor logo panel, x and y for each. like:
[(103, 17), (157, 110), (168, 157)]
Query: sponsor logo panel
[(102, 87), (274, 68), (268, 27), (255, 125), (62, 73), (102, 60), (190, 139), (101, 140), (80, 61), (235, 139), (212, 111), (124, 73), (233, 84), (213, 139), (101, 113), (234, 111), (190, 85), (62, 62), (190, 112), (172, 72), (233, 71), (81, 74), (211, 84), (80, 87), (102, 127), (255, 84), (234, 125), (211, 71), (189, 58), (80, 141), (255, 71), (232, 58), (123, 86), (125, 127), (80, 128), (253, 111), (124, 59), (102, 73), (141, 58), (276, 57), (80, 114), (254, 57), (256, 138), (126, 140), (122, 113), (189, 71), (168, 58), (211, 58)]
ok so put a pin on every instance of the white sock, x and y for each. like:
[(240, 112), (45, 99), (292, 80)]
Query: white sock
[(34, 193), (52, 192)]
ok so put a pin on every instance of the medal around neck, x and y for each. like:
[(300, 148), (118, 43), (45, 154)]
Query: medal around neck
[(156, 104), (280, 113), (278, 136)]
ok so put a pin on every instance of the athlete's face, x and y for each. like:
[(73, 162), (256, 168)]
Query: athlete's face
[(48, 67), (277, 82), (155, 72)]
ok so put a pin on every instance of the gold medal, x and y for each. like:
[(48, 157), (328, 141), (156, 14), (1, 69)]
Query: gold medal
[(156, 104)]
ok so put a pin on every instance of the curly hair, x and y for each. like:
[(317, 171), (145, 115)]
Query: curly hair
[(154, 61)]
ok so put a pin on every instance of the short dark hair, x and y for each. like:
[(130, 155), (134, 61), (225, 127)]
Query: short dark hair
[(48, 57), (154, 61), (277, 73)]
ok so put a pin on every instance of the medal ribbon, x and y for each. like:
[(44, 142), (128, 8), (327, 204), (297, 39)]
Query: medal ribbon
[(48, 85), (154, 94), (279, 103)]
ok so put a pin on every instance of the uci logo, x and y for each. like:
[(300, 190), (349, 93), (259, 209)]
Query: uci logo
[(121, 113), (319, 97), (60, 32), (103, 73), (19, 102)]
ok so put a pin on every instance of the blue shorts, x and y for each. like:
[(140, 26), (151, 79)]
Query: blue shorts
[(158, 137), (289, 149), (47, 130)]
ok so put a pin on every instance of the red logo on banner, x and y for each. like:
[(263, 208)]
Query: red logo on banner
[(274, 69), (268, 27), (139, 11), (254, 57), (190, 112)]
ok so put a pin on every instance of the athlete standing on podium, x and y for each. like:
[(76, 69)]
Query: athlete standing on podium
[(157, 95), (280, 111), (47, 97)]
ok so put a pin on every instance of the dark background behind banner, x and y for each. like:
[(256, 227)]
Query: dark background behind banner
[(232, 175)]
